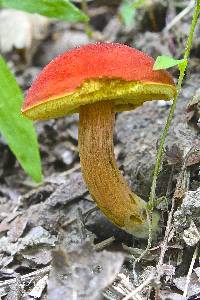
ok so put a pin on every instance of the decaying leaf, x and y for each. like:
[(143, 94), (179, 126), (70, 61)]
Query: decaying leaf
[(194, 156), (169, 295), (73, 188), (82, 273), (191, 235), (194, 285), (3, 292), (17, 228), (194, 101), (36, 292), (38, 256), (174, 154), (5, 225), (188, 211), (197, 271), (36, 236)]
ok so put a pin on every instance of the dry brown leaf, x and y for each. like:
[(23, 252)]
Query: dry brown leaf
[(17, 228)]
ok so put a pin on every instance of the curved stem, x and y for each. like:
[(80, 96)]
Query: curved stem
[(105, 182)]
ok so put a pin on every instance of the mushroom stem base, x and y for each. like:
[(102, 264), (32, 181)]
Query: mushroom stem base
[(104, 181)]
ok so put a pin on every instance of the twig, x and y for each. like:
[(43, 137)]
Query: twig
[(178, 17), (89, 212), (194, 257), (105, 243), (72, 170), (26, 277), (164, 245), (140, 288), (86, 214)]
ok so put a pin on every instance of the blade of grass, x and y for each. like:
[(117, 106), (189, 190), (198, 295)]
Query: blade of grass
[(18, 131)]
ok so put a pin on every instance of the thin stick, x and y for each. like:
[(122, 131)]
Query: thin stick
[(26, 277), (164, 245), (181, 15), (194, 257), (104, 244), (85, 214), (139, 288)]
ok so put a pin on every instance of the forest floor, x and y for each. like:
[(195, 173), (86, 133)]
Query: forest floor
[(53, 239)]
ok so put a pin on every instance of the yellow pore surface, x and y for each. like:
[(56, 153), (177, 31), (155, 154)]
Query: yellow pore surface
[(126, 95)]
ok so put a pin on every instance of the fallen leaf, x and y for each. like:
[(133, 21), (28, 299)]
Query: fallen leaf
[(35, 237), (82, 272), (38, 289), (168, 295), (73, 188), (38, 256), (191, 235), (193, 157), (173, 154), (5, 225), (17, 228), (194, 285)]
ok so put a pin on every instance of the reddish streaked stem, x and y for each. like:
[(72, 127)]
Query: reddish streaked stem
[(104, 181)]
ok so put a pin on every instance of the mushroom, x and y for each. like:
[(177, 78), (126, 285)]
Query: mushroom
[(97, 80)]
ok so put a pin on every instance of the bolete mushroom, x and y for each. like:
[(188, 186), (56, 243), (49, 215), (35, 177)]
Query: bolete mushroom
[(97, 80)]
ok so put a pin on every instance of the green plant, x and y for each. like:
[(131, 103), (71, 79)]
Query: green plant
[(166, 62), (60, 9), (128, 9), (18, 131)]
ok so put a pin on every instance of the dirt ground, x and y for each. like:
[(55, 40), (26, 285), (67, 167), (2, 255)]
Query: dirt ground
[(54, 241)]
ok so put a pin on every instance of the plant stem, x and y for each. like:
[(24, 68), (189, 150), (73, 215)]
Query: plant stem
[(87, 27), (182, 69)]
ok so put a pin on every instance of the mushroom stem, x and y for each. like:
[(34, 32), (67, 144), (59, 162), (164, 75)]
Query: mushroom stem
[(104, 181)]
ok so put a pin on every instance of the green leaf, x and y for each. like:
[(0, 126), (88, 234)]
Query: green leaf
[(18, 131), (127, 12), (165, 62), (138, 3), (59, 9)]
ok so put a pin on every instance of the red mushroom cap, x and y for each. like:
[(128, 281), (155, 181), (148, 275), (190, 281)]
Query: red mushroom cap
[(95, 72)]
